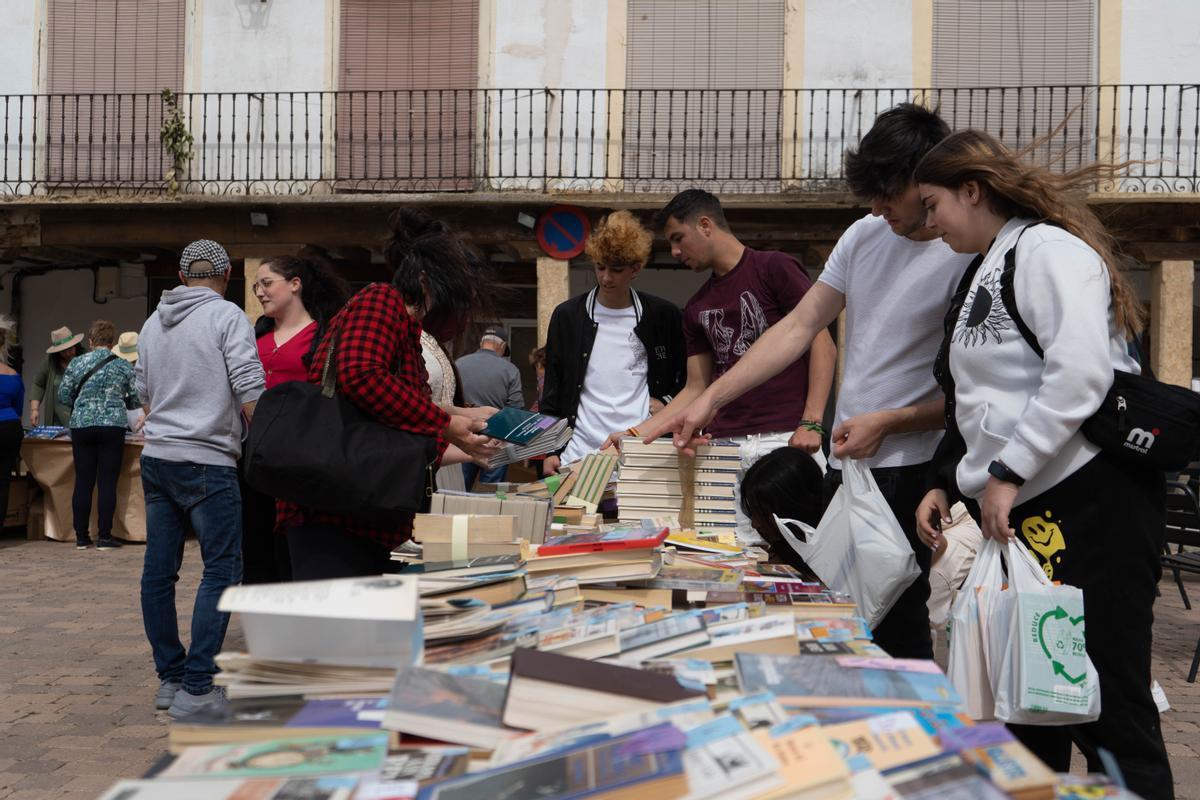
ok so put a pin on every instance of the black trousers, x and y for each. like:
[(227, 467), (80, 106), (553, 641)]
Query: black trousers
[(11, 435), (326, 551), (904, 631), (98, 452), (1102, 530), (265, 557)]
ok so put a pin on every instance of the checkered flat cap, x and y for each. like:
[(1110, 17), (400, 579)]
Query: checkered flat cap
[(204, 250)]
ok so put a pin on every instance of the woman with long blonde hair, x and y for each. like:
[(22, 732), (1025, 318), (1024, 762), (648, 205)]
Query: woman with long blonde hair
[(1030, 350)]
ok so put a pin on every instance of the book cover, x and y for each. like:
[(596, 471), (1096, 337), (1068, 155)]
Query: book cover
[(434, 694), (297, 757), (888, 740), (617, 539), (806, 757), (596, 676), (345, 712), (519, 426), (648, 758), (820, 680)]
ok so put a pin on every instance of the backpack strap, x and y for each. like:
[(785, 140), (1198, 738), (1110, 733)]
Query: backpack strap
[(1008, 294)]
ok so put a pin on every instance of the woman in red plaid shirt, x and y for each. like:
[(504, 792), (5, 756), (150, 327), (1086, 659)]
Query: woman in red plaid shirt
[(381, 370)]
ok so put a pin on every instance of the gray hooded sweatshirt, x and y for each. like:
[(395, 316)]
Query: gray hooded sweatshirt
[(197, 365)]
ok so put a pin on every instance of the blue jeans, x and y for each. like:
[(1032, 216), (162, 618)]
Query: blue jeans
[(496, 475), (206, 497)]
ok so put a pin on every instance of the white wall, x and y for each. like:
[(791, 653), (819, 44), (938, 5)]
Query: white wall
[(274, 47), (556, 43), (1160, 43), (18, 36), (851, 43)]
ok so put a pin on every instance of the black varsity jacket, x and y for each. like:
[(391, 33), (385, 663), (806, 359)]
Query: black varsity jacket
[(569, 345)]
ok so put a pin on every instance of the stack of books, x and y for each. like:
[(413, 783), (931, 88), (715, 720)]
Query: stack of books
[(526, 434), (652, 480), (453, 537), (610, 664)]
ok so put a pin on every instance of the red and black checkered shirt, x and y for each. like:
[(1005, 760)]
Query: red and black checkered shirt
[(380, 369)]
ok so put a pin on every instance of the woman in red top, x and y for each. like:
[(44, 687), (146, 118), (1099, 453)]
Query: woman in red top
[(381, 370), (299, 297)]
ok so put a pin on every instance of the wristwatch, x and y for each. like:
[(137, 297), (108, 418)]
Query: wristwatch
[(1000, 470)]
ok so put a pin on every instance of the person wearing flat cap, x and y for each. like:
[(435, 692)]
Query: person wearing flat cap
[(197, 375), (44, 408)]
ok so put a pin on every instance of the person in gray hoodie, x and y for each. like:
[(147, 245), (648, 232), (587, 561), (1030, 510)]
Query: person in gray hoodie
[(199, 376)]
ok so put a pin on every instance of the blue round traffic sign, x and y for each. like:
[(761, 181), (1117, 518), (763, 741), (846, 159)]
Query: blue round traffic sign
[(562, 231)]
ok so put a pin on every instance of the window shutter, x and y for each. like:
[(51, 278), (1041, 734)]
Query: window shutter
[(406, 113), (107, 61), (676, 126), (1045, 47)]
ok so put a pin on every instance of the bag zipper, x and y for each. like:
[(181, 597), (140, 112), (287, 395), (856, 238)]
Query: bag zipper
[(1121, 407)]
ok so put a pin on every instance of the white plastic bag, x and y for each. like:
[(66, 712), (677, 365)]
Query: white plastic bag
[(858, 547), (1042, 672), (968, 669)]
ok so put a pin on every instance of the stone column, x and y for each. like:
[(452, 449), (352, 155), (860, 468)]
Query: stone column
[(1171, 321), (253, 308), (553, 287)]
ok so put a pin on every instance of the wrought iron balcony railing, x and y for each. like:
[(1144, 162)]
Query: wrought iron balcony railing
[(560, 140)]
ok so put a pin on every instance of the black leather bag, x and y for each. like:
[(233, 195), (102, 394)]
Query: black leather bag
[(311, 446), (1142, 420)]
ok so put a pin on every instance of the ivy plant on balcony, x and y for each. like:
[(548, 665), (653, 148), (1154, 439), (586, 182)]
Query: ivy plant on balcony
[(176, 140)]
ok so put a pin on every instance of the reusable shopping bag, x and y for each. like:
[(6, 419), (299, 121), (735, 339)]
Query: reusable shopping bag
[(858, 547), (1042, 673), (968, 670)]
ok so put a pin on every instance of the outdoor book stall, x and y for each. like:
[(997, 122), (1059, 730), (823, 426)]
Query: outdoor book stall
[(516, 654), (52, 468)]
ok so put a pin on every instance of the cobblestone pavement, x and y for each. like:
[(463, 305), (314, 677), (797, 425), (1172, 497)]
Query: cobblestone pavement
[(76, 676)]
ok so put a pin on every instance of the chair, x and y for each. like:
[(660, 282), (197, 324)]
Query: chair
[(1183, 529)]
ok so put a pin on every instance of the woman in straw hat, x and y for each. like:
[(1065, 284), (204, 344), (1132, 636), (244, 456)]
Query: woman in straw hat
[(12, 404), (44, 408), (126, 348)]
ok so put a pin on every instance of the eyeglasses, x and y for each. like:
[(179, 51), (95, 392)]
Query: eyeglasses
[(264, 284)]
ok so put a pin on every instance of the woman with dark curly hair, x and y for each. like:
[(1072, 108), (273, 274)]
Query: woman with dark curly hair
[(380, 369), (613, 356), (299, 296)]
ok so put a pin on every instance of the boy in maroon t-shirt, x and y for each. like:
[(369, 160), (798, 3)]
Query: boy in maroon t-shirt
[(748, 291)]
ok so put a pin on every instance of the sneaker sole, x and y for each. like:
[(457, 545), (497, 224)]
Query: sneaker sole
[(82, 546), (108, 547)]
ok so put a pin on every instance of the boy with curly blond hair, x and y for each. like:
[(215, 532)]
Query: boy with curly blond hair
[(613, 355)]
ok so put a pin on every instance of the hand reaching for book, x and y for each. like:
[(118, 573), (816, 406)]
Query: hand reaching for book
[(687, 428), (463, 432)]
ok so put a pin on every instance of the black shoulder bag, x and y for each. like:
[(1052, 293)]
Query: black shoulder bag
[(1143, 421), (311, 446), (87, 376)]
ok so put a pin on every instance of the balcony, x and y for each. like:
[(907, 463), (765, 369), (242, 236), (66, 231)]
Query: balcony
[(558, 141)]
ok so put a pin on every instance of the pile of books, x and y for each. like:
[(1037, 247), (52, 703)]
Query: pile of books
[(525, 434), (654, 477), (615, 663)]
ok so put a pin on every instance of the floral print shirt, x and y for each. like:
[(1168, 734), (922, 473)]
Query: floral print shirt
[(105, 396)]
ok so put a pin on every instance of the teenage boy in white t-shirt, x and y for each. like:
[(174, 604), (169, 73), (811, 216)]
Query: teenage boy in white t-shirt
[(613, 356), (894, 280)]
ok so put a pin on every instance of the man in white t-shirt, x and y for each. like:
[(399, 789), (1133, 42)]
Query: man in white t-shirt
[(894, 281), (613, 356)]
